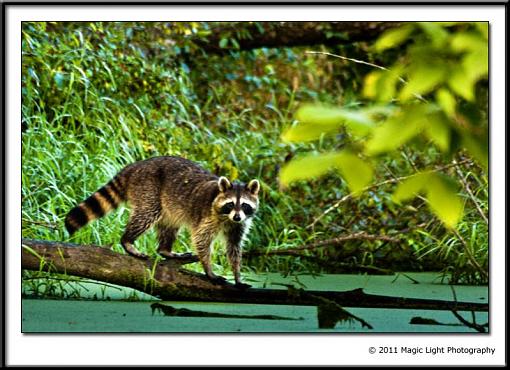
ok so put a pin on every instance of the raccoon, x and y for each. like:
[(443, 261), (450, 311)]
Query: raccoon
[(172, 192)]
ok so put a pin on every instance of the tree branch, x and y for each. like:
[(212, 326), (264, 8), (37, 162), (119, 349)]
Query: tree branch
[(290, 34), (169, 281), (377, 185), (326, 243), (418, 96)]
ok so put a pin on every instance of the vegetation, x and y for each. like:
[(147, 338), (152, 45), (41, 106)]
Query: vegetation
[(97, 96)]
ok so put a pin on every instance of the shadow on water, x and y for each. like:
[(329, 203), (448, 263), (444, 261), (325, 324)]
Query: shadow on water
[(115, 314)]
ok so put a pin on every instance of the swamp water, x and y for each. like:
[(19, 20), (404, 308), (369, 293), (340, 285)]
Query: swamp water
[(108, 310)]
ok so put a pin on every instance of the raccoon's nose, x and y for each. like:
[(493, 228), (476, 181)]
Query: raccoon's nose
[(236, 217)]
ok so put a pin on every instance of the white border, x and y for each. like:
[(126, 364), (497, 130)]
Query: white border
[(248, 349)]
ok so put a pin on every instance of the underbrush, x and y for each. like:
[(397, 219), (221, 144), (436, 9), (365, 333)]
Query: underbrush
[(93, 103)]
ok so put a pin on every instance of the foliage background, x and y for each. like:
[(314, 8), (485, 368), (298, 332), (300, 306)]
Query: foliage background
[(98, 96)]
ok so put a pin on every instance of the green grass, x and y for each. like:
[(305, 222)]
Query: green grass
[(92, 103)]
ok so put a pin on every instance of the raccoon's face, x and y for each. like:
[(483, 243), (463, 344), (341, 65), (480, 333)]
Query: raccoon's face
[(237, 202)]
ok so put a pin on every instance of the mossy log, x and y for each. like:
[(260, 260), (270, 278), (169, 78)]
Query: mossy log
[(168, 280)]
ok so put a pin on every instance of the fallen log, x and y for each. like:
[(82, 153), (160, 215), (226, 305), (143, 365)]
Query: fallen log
[(168, 280), (289, 34)]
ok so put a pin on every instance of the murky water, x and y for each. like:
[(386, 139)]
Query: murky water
[(113, 314)]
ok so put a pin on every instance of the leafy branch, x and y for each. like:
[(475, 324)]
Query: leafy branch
[(395, 119), (378, 185)]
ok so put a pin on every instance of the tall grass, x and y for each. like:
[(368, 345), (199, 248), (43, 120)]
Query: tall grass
[(94, 128), (93, 102)]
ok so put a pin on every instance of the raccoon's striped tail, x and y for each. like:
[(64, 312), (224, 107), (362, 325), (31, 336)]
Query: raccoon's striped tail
[(107, 198)]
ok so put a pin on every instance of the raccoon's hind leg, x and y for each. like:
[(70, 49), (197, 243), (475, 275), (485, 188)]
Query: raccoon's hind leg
[(202, 237), (140, 220), (166, 239)]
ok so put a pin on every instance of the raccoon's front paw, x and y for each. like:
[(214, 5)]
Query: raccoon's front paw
[(218, 280), (167, 254), (242, 286), (139, 255)]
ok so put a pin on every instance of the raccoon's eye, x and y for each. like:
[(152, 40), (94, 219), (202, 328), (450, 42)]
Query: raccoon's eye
[(227, 208), (247, 209)]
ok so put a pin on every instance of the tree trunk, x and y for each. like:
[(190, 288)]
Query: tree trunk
[(289, 34), (169, 281)]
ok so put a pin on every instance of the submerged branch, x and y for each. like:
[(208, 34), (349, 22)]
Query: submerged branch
[(185, 312)]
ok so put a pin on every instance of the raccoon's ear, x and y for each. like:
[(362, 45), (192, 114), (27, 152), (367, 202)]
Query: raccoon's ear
[(253, 187), (224, 184)]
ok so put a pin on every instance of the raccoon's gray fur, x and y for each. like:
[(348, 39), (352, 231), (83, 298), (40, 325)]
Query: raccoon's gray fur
[(172, 192)]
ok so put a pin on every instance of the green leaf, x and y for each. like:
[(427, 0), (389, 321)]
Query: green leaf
[(308, 131), (410, 187), (397, 130), (235, 44), (319, 114), (461, 84), (357, 122), (370, 85), (376, 112), (441, 194), (355, 171), (444, 200), (316, 120), (476, 64), (467, 41), (448, 24), (483, 28), (446, 101), (438, 130), (478, 147), (387, 84), (393, 37), (381, 85), (223, 43), (436, 32), (422, 79), (308, 167)]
